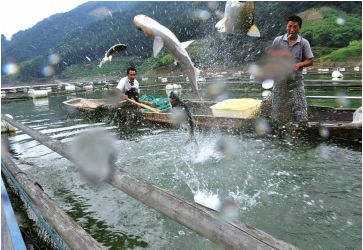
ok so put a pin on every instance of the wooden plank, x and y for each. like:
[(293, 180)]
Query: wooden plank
[(332, 81), (334, 97), (71, 233), (187, 213)]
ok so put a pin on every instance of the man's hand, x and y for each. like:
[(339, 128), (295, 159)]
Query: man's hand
[(305, 63), (296, 66)]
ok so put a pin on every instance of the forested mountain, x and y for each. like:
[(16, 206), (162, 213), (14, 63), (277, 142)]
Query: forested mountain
[(85, 33)]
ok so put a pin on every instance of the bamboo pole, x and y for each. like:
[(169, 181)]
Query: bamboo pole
[(71, 233), (143, 105), (203, 221)]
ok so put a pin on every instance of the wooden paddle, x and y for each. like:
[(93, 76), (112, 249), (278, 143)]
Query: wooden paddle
[(143, 105)]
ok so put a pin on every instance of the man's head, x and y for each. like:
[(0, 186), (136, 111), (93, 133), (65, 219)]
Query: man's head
[(293, 26), (131, 74)]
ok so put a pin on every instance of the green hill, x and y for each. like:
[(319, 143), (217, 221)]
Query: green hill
[(339, 57), (330, 27)]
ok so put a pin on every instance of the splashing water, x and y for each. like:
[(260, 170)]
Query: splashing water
[(48, 71), (208, 199), (340, 21), (262, 127), (94, 152), (324, 132), (342, 102), (228, 147), (201, 14), (54, 59), (11, 68)]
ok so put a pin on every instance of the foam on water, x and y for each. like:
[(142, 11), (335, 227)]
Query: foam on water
[(208, 199)]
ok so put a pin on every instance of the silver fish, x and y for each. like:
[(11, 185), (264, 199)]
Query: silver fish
[(117, 48), (164, 37), (239, 19)]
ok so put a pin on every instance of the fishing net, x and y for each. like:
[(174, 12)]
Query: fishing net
[(160, 103)]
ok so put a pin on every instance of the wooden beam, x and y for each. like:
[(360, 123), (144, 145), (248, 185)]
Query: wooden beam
[(73, 235)]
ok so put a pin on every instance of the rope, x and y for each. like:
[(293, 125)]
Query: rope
[(54, 237)]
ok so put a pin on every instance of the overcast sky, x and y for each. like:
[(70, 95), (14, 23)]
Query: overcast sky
[(16, 15)]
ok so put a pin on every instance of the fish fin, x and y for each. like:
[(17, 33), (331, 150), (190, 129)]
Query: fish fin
[(181, 50), (254, 31), (102, 61), (186, 44), (221, 25), (219, 14), (110, 58), (197, 73), (158, 45)]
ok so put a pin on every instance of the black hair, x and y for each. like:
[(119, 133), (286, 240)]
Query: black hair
[(131, 68), (295, 19)]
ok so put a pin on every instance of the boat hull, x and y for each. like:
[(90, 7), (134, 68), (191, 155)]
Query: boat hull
[(324, 122)]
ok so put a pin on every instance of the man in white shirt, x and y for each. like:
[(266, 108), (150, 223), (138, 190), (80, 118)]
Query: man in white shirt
[(129, 86)]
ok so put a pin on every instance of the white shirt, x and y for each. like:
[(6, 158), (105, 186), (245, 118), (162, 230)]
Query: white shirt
[(124, 85)]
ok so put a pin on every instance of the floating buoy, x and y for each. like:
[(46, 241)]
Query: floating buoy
[(88, 87), (6, 127), (266, 93), (37, 93), (268, 84), (70, 87), (336, 74)]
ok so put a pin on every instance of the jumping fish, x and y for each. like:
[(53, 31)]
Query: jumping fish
[(164, 37), (238, 19), (182, 115), (117, 48)]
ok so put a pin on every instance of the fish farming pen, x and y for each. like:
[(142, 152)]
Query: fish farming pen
[(206, 222), (54, 224), (11, 237)]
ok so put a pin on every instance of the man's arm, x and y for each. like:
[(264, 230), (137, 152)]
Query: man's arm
[(307, 53), (305, 63), (120, 89)]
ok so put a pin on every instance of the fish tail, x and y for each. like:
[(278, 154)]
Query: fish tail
[(195, 82), (221, 25), (254, 31)]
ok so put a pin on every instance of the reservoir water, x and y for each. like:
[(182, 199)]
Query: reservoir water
[(306, 193)]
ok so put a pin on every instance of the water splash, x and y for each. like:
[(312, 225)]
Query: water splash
[(262, 127), (54, 59), (340, 21), (48, 71), (94, 152), (208, 199), (228, 147), (203, 15), (11, 69), (324, 132)]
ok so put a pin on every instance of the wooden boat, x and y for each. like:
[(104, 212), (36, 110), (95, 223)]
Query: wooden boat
[(324, 122), (82, 104)]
